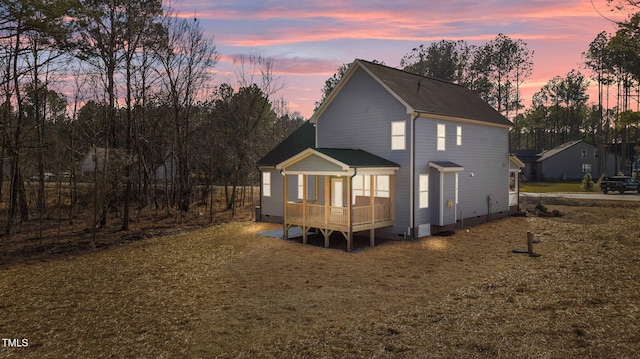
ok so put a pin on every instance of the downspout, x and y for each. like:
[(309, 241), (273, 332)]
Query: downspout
[(355, 173), (412, 190), (284, 204)]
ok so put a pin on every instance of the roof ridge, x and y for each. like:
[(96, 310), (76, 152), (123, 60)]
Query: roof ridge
[(411, 73)]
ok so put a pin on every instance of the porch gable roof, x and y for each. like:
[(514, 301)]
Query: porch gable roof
[(335, 160), (515, 161), (446, 166)]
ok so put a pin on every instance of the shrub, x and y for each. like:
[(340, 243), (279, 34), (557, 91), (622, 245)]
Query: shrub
[(540, 208), (587, 183)]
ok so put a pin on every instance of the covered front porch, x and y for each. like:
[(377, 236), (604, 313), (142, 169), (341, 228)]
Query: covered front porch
[(343, 191)]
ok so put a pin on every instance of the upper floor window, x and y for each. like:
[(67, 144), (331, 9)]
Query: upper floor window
[(595, 153), (458, 135), (584, 153), (441, 137), (398, 135)]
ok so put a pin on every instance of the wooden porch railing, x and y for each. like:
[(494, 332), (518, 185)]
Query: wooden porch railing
[(362, 215)]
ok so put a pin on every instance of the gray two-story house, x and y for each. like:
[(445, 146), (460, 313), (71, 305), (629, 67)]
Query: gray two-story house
[(572, 160), (395, 154)]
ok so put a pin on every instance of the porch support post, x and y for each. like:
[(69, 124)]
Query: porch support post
[(349, 214), (305, 229), (441, 198), (284, 205), (327, 202), (372, 238), (392, 195), (304, 209)]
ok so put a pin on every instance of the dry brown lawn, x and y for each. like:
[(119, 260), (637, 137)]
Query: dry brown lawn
[(226, 292)]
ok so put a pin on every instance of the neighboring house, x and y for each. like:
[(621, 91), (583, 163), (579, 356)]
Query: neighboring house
[(166, 172), (572, 160), (395, 154), (93, 161)]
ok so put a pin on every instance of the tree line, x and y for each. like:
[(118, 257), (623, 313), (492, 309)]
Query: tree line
[(119, 94), (560, 111)]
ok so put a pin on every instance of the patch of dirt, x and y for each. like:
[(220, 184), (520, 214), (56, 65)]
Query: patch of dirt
[(225, 292)]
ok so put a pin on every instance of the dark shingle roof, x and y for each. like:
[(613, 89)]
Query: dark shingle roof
[(544, 155), (446, 164), (301, 139), (432, 96), (356, 158)]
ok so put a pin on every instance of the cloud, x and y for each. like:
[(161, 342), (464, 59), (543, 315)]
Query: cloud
[(287, 22), (308, 40)]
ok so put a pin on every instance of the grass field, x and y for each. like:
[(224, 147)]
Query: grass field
[(225, 292), (544, 187)]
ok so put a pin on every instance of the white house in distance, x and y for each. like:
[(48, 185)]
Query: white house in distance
[(394, 155)]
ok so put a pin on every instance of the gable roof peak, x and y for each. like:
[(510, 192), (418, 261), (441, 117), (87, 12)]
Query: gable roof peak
[(423, 95)]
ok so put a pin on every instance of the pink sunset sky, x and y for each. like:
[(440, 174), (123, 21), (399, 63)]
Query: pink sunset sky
[(309, 40)]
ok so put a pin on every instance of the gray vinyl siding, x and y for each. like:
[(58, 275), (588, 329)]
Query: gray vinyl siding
[(272, 205), (484, 151), (360, 118), (567, 164)]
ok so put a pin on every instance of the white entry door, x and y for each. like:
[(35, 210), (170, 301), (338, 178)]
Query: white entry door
[(336, 192)]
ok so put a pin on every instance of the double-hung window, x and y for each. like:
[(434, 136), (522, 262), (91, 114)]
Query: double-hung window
[(300, 186), (441, 137), (424, 191), (266, 184), (398, 135)]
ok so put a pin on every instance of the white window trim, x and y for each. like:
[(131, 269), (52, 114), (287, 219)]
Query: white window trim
[(458, 135), (266, 184), (398, 139), (360, 187), (300, 186), (441, 139), (424, 191), (382, 192)]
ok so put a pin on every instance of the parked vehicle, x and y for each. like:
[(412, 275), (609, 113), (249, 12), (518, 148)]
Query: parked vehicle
[(620, 184)]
